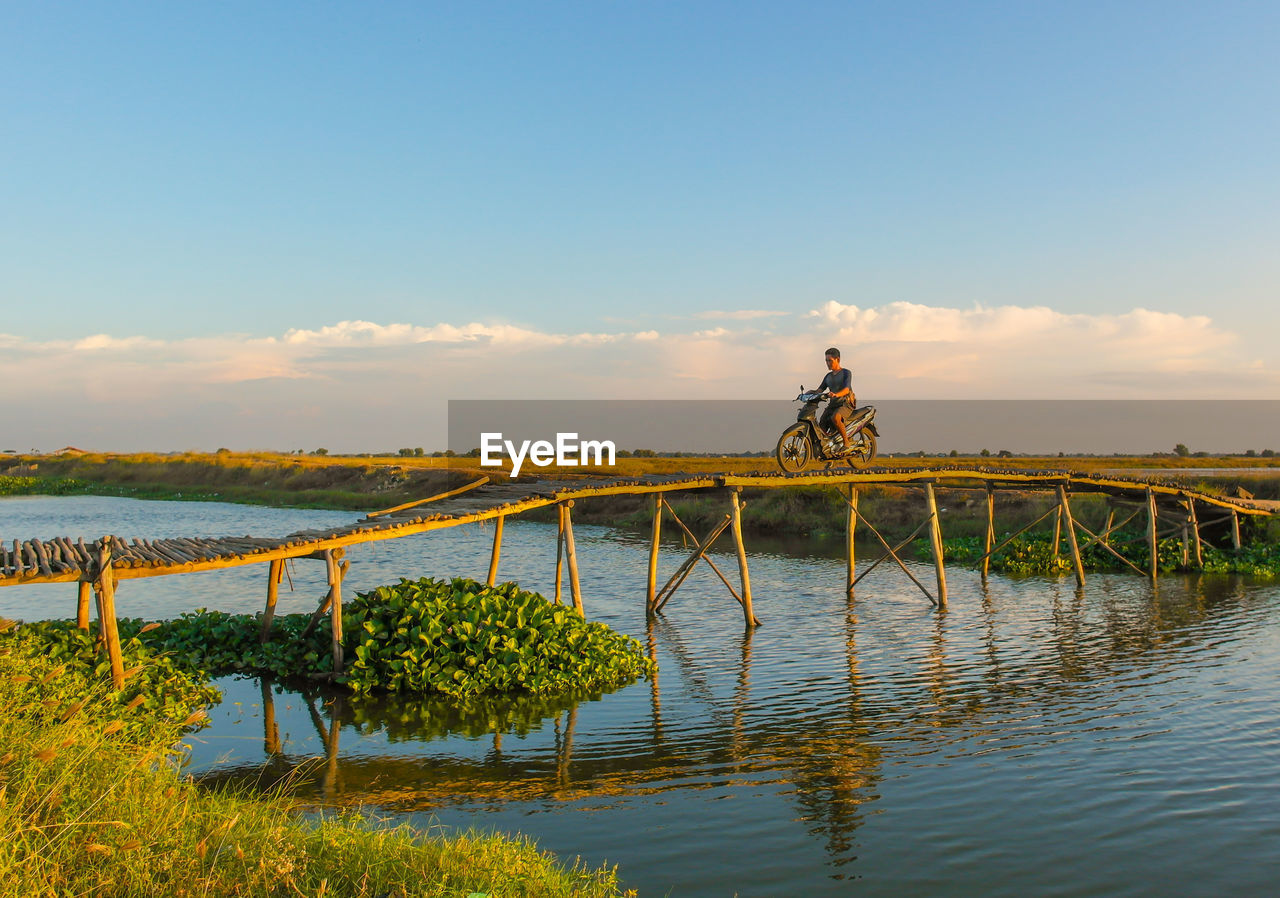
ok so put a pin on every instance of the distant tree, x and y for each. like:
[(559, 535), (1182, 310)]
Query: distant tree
[(473, 453), (406, 452), (1181, 450), (985, 453), (1251, 453), (1268, 453), (320, 451), (418, 452), (1202, 454), (224, 451), (623, 453), (953, 453), (449, 453), (1005, 453), (643, 453), (1062, 454)]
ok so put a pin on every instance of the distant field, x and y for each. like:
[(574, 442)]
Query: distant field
[(248, 461)]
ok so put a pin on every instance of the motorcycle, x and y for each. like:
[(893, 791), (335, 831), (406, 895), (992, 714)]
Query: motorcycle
[(805, 444)]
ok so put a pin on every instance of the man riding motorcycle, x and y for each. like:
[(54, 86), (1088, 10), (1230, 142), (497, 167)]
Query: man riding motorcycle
[(839, 383)]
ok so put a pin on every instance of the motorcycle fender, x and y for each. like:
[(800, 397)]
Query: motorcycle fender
[(872, 427)]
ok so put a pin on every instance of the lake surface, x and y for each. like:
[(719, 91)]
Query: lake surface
[(1032, 739)]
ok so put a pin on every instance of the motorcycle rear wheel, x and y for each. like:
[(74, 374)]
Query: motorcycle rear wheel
[(866, 451), (795, 451)]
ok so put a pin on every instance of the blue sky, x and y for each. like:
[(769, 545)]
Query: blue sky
[(256, 207)]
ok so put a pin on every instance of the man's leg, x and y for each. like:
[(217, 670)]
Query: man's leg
[(844, 436)]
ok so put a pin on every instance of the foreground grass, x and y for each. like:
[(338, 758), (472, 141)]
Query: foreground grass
[(91, 803)]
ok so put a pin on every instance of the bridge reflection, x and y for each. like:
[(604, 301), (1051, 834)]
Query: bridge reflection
[(968, 683)]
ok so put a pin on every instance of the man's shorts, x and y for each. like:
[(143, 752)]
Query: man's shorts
[(842, 410)]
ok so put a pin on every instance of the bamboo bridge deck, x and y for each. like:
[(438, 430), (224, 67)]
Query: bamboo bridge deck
[(98, 564), (62, 560)]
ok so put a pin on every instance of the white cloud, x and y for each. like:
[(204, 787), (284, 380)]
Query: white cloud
[(385, 374)]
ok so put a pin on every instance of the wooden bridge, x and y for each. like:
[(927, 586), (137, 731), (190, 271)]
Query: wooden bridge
[(1167, 509)]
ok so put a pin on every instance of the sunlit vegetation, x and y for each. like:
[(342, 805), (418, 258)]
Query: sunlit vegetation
[(92, 803)]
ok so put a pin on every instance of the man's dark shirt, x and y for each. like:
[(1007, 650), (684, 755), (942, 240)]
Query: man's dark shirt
[(838, 380)]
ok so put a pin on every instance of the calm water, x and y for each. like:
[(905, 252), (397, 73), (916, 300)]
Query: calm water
[(1032, 739)]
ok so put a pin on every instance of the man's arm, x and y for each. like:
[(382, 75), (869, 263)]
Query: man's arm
[(845, 391)]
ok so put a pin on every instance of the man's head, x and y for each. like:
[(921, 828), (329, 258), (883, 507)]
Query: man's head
[(833, 357)]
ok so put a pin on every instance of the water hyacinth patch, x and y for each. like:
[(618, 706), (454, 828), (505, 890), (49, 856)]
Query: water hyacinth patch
[(462, 638), (1030, 555), (456, 638)]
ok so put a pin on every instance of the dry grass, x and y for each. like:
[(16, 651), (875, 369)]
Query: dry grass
[(86, 809)]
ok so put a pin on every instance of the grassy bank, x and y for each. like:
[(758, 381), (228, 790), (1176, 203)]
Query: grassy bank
[(259, 479), (91, 803)]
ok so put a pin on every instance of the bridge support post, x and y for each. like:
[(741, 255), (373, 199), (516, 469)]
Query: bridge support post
[(559, 549), (651, 595), (82, 604), (990, 539), (1151, 531), (1057, 532), (1064, 513), (1195, 532), (335, 605), (747, 612), (497, 550), (105, 587), (850, 524), (935, 541), (1235, 530), (1106, 530), (574, 588), (274, 576)]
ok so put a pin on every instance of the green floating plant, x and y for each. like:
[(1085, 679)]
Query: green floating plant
[(462, 638), (457, 638)]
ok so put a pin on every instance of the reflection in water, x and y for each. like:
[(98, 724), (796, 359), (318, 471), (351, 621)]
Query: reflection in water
[(914, 684), (1034, 738)]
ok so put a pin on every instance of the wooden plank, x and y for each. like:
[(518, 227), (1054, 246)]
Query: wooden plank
[(82, 604), (1106, 545), (1065, 507), (29, 572), (656, 535), (497, 550), (42, 557), (559, 550), (106, 590), (335, 589), (894, 555), (935, 541), (1195, 533), (850, 550), (1152, 523), (574, 588), (714, 567), (682, 572), (274, 575), (990, 536), (436, 498), (748, 612)]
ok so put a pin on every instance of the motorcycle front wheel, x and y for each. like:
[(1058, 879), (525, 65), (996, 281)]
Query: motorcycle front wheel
[(794, 452)]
